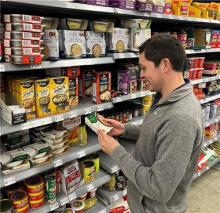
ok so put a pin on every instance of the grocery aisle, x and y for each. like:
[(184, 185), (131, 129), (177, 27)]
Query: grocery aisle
[(204, 195)]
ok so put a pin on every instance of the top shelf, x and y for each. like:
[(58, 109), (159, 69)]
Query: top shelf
[(110, 59), (68, 8)]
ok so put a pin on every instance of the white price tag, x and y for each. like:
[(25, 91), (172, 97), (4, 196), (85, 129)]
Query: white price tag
[(87, 111), (143, 93), (114, 169), (133, 96), (2, 67), (26, 126), (115, 197), (118, 99), (72, 196), (81, 154), (45, 121), (58, 162), (64, 201), (9, 181), (99, 107), (34, 66), (54, 206), (90, 187), (72, 114), (58, 118), (199, 174), (102, 211)]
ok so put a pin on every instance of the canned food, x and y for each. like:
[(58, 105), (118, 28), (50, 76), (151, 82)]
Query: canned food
[(20, 199), (34, 184), (88, 171), (35, 206), (35, 198), (51, 188), (95, 159), (11, 189), (83, 197), (35, 202), (36, 194), (78, 206), (6, 206), (23, 209), (92, 193), (68, 210), (111, 183)]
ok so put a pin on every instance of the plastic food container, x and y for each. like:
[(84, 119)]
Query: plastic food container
[(35, 184), (22, 43), (78, 206), (20, 199), (83, 197), (200, 62), (24, 27), (23, 35), (20, 18), (25, 59), (18, 51)]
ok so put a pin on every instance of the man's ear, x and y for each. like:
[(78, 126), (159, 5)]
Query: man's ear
[(165, 65)]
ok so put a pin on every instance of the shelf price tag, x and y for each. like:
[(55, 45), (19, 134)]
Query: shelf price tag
[(102, 211), (72, 114), (58, 162), (133, 96), (72, 196), (54, 206), (99, 108), (90, 187), (81, 154), (143, 93), (87, 111), (26, 126), (118, 99), (9, 181), (58, 118), (2, 67), (115, 197), (64, 201)]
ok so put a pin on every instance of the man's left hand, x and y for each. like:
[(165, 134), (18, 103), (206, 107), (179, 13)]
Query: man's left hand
[(108, 143)]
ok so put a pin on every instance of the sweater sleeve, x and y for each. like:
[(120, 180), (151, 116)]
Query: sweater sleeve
[(174, 145), (131, 131)]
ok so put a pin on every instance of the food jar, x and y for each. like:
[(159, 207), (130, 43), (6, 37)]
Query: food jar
[(20, 199), (83, 197), (92, 193), (34, 184), (78, 206)]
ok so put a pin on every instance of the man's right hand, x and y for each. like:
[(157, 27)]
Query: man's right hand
[(118, 128)]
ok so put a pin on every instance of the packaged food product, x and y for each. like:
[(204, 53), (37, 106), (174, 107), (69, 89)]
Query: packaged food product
[(88, 171), (118, 40), (71, 72), (35, 185), (19, 51), (73, 43), (101, 87), (59, 94), (95, 43), (123, 81), (24, 59), (102, 26), (51, 44), (22, 43), (85, 83), (73, 24), (95, 159), (73, 92), (95, 122), (82, 135), (51, 188), (94, 2), (71, 177), (14, 35), (24, 27), (111, 184), (78, 206), (50, 23), (21, 18), (42, 90), (144, 5), (20, 199), (123, 4)]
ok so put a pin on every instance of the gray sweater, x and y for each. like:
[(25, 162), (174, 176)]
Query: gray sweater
[(168, 145)]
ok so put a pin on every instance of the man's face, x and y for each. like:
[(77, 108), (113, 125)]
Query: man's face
[(151, 73)]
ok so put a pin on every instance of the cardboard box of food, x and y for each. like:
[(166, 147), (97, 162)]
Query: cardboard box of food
[(59, 94), (73, 92), (85, 83)]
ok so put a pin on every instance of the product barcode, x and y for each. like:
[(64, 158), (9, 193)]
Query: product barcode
[(27, 51), (26, 43), (26, 18), (26, 35), (9, 181), (27, 26)]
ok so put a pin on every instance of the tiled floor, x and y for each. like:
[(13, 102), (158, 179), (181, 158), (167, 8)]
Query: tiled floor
[(204, 195)]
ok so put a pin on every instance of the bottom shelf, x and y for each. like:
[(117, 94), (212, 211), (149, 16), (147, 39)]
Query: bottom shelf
[(98, 208), (198, 174)]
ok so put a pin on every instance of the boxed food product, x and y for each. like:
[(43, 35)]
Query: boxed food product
[(24, 59), (73, 24), (51, 44), (59, 94), (50, 23), (21, 18), (24, 27), (118, 40), (95, 43), (101, 87), (22, 43), (71, 177), (20, 51), (71, 72), (158, 6), (72, 126), (42, 90), (94, 2), (85, 83), (73, 92), (73, 43), (23, 35), (195, 12), (123, 4), (101, 26), (123, 81), (144, 5), (95, 122)]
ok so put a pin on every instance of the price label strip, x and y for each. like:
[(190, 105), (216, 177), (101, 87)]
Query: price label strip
[(115, 197), (9, 181), (81, 154), (87, 111), (64, 201), (72, 196), (54, 206), (90, 187), (58, 162), (58, 118)]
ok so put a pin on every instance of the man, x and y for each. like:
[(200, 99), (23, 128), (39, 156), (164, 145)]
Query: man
[(169, 140)]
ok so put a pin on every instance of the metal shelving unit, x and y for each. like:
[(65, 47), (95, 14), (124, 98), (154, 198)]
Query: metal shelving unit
[(206, 79), (98, 208), (212, 121), (208, 99), (75, 152), (207, 142), (62, 198), (108, 163), (85, 107)]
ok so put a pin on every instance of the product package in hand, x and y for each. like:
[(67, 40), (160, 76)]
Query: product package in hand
[(96, 121)]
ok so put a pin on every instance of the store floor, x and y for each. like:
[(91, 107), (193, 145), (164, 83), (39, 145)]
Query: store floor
[(204, 195)]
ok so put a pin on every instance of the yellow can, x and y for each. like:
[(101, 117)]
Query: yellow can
[(147, 100), (89, 171), (146, 108)]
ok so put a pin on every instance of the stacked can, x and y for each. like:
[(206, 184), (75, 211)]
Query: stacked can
[(51, 188), (147, 101), (22, 39), (20, 201), (35, 189)]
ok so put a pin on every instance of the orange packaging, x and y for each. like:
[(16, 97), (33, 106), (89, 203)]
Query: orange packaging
[(71, 72), (101, 87)]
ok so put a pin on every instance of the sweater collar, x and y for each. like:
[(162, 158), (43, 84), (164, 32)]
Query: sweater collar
[(177, 94)]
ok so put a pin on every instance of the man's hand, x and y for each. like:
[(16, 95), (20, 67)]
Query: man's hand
[(118, 128), (108, 143)]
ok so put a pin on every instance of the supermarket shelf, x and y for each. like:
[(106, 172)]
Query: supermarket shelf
[(136, 120), (214, 21), (213, 50), (207, 142), (124, 55), (131, 96), (196, 175), (108, 163), (204, 80), (74, 153), (85, 107), (195, 51), (110, 197), (62, 199), (208, 99), (131, 13), (98, 208), (212, 121), (7, 67)]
